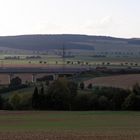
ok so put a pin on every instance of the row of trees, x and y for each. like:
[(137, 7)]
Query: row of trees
[(66, 95)]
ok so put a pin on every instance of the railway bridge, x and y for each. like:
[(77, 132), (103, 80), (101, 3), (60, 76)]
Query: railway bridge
[(34, 72)]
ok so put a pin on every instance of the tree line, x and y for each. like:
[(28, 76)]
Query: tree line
[(63, 94)]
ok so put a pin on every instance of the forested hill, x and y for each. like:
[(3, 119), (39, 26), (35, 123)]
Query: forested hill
[(45, 42)]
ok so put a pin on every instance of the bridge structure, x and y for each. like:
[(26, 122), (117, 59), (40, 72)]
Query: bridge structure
[(55, 72)]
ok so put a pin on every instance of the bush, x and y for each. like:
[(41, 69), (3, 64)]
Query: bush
[(15, 101)]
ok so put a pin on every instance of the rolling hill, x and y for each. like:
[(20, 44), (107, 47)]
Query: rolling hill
[(98, 44)]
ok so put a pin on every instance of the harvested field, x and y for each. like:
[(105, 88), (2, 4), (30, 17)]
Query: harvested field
[(65, 136), (120, 81), (54, 125)]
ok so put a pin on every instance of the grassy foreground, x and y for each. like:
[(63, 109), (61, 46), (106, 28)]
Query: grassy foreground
[(72, 125), (79, 121)]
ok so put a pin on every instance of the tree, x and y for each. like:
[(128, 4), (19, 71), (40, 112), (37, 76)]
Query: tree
[(15, 101), (73, 87), (89, 86), (132, 102), (82, 86), (15, 82), (82, 102), (41, 99), (136, 89), (35, 99), (103, 103), (26, 102), (58, 96), (1, 102), (47, 83)]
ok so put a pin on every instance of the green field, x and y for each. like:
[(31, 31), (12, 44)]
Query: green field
[(54, 125), (79, 121)]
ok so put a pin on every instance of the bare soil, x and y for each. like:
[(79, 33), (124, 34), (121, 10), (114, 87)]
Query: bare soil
[(121, 81), (65, 136)]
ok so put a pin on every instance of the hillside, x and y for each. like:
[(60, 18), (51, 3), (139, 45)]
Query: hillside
[(45, 42), (74, 45)]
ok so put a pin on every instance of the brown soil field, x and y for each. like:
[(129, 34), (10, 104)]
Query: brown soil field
[(120, 81), (65, 136)]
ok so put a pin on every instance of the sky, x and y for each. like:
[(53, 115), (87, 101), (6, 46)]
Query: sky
[(118, 18)]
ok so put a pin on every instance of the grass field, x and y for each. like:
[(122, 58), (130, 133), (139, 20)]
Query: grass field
[(70, 125)]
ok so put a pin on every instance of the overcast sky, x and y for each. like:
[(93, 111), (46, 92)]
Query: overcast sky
[(119, 18)]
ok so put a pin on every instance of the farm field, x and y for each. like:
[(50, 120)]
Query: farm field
[(57, 61), (76, 125), (120, 81)]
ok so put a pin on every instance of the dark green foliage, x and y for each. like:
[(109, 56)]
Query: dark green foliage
[(47, 82), (65, 95), (136, 89), (82, 102), (15, 82), (26, 102), (73, 87), (15, 101), (35, 99), (7, 105), (58, 95), (90, 86), (41, 99), (1, 102), (132, 102), (82, 86), (11, 88), (103, 103)]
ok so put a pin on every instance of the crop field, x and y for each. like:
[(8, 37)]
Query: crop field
[(46, 61), (119, 81), (54, 125)]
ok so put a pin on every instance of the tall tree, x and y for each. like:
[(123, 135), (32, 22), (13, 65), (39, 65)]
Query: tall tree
[(58, 97), (82, 86), (35, 99), (73, 87), (42, 98)]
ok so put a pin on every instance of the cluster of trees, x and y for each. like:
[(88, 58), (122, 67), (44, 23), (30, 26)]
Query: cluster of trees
[(58, 96), (68, 95), (64, 95), (15, 84)]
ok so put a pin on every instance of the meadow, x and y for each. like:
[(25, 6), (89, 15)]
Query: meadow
[(76, 125)]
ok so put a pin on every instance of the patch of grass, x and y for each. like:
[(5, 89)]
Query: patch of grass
[(27, 91)]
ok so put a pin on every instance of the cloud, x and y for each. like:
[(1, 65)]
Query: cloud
[(102, 23)]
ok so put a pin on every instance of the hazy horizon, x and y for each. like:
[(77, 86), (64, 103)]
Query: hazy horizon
[(86, 17), (69, 34)]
